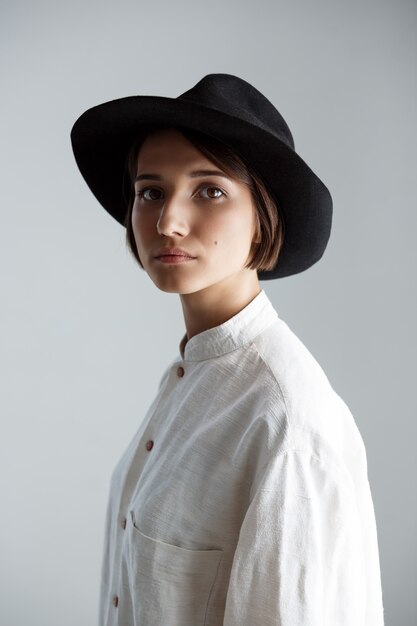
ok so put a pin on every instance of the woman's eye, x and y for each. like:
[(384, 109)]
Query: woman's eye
[(213, 197), (141, 193)]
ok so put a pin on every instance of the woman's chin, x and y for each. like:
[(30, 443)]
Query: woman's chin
[(174, 283)]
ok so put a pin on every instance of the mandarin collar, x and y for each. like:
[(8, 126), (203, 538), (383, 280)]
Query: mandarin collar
[(237, 331)]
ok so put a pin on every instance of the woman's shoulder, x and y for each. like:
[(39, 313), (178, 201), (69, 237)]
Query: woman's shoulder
[(316, 415), (289, 360)]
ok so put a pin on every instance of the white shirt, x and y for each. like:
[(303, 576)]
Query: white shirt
[(243, 498)]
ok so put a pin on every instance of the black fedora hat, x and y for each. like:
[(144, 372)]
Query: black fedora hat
[(233, 111)]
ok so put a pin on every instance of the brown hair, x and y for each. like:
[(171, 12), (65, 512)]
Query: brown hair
[(269, 235)]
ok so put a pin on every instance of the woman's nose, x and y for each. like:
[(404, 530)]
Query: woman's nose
[(173, 217)]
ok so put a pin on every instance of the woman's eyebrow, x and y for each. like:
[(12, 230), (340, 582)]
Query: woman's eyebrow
[(194, 174)]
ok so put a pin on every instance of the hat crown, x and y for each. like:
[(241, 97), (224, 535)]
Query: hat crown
[(236, 97)]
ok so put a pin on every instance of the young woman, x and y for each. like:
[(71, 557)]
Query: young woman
[(243, 498)]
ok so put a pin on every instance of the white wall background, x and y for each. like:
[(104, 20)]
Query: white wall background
[(85, 334)]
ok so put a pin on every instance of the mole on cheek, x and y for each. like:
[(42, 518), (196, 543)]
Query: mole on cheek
[(215, 243)]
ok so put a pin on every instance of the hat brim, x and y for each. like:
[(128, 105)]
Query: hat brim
[(102, 136)]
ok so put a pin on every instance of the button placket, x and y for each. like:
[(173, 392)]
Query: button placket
[(149, 444)]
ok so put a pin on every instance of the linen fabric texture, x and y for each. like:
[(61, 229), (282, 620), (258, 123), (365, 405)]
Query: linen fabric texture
[(253, 506)]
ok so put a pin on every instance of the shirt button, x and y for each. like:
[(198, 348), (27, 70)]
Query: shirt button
[(149, 444), (180, 371), (123, 523), (115, 600)]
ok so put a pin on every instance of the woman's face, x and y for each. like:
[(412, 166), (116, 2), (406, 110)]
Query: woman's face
[(210, 216)]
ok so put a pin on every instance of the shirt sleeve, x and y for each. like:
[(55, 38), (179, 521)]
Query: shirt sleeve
[(299, 557)]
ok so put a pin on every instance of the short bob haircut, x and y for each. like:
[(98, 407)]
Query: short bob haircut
[(268, 238)]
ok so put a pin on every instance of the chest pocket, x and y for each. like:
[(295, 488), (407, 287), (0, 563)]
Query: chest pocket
[(169, 585)]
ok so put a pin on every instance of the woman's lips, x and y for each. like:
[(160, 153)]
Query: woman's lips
[(174, 258)]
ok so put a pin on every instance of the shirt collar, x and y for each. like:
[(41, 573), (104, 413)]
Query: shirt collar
[(232, 334)]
